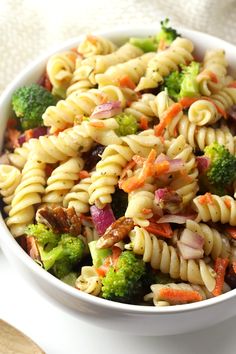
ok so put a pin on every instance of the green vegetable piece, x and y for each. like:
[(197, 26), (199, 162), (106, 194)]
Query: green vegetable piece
[(44, 236), (127, 124), (61, 268), (189, 86), (222, 170), (172, 83), (123, 282), (148, 44), (29, 103), (98, 254), (167, 34)]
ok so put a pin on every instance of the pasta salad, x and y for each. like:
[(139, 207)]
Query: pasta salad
[(118, 172)]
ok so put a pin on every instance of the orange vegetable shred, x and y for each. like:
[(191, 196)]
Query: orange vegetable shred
[(220, 269), (179, 296)]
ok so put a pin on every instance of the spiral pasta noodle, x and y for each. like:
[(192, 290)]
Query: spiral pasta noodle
[(27, 194), (166, 61), (10, 178), (89, 281), (165, 258), (78, 196), (62, 180), (60, 68), (142, 107), (94, 45), (19, 156), (221, 209)]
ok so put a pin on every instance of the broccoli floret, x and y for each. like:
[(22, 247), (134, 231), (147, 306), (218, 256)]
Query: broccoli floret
[(98, 254), (127, 124), (119, 203), (183, 83), (222, 170), (122, 282), (148, 44), (43, 235), (167, 34), (29, 103)]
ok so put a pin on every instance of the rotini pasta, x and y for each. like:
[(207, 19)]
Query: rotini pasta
[(142, 107), (94, 45), (19, 156), (78, 197), (10, 178), (89, 281)]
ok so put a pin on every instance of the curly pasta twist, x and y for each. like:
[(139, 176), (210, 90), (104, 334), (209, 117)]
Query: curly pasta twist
[(142, 143), (165, 258), (108, 170), (62, 180), (215, 244), (159, 300), (134, 68), (215, 63), (10, 178), (78, 197), (20, 155), (142, 107), (140, 203), (221, 209), (103, 132), (165, 62), (27, 194), (64, 114), (69, 143), (94, 45), (204, 112), (60, 68), (89, 281)]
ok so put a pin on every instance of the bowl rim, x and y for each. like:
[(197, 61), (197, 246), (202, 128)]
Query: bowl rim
[(18, 251)]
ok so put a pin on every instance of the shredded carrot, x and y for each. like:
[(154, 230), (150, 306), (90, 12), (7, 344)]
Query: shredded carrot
[(220, 110), (143, 124), (110, 261), (146, 211), (186, 102), (231, 231), (92, 39), (97, 124), (179, 296), (208, 74), (57, 132), (131, 183), (161, 167), (232, 84), (83, 174), (128, 167), (206, 199), (148, 166), (163, 230), (28, 134), (227, 203), (167, 117), (126, 81), (220, 269)]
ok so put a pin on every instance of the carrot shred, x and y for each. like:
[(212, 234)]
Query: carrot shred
[(179, 296), (232, 84), (208, 74), (227, 203), (128, 167), (146, 211), (161, 167), (206, 199), (143, 124), (126, 81), (220, 269), (163, 230), (110, 261), (92, 39), (97, 124), (221, 111), (131, 184), (28, 134), (186, 102), (83, 174), (231, 231), (167, 117)]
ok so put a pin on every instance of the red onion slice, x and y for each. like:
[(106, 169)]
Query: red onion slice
[(192, 239), (188, 252), (107, 110), (177, 219), (203, 163), (102, 218), (36, 133)]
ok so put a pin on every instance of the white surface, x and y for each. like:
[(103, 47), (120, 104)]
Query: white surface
[(59, 333)]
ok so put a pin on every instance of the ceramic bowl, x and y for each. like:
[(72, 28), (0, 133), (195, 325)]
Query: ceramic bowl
[(132, 319)]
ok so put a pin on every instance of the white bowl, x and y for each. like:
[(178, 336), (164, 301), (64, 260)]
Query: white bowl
[(139, 320)]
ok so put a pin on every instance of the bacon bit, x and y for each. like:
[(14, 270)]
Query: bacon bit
[(97, 124), (163, 230), (11, 123), (29, 134), (179, 296), (12, 136), (227, 203), (83, 174), (206, 199), (92, 39), (232, 84), (207, 74), (170, 113), (231, 231), (220, 269), (48, 170), (126, 81), (143, 124)]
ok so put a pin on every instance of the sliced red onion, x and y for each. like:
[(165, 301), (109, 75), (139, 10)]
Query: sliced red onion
[(188, 252), (177, 219), (162, 157), (4, 160), (107, 110), (169, 200), (192, 239), (36, 133), (102, 218), (203, 163)]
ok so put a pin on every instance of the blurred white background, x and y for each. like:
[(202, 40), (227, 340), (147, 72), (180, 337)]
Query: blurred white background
[(28, 27)]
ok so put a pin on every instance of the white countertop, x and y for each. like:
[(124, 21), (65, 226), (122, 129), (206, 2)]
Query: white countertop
[(59, 333)]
